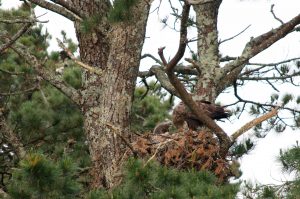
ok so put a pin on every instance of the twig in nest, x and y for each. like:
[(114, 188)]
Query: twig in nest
[(156, 151), (253, 123)]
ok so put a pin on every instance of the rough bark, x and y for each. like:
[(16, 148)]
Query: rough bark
[(107, 99), (208, 50)]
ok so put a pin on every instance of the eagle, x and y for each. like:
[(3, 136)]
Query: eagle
[(181, 114)]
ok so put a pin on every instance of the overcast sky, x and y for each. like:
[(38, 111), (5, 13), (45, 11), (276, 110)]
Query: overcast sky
[(234, 16)]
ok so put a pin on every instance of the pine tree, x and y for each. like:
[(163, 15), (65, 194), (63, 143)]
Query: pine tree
[(63, 126)]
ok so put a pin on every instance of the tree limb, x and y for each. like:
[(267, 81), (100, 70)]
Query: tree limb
[(67, 4), (14, 38), (255, 46), (272, 11), (234, 36), (83, 65), (54, 80), (11, 137), (253, 123), (57, 9), (185, 96)]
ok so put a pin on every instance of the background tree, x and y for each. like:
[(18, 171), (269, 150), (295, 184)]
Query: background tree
[(110, 40)]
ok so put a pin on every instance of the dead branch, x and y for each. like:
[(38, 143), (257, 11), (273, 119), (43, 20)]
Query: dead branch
[(14, 38), (16, 21), (234, 36), (273, 13), (256, 45), (185, 96), (19, 92), (253, 123), (83, 65)]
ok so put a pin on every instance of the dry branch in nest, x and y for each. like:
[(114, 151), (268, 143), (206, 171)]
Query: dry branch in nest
[(185, 150)]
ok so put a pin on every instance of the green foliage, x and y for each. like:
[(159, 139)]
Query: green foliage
[(39, 177), (286, 98), (290, 159), (150, 110), (72, 75), (238, 150), (155, 181), (70, 43), (274, 97), (120, 12)]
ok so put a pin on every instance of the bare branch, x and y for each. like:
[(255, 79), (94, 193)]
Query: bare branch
[(163, 80), (29, 90), (196, 2), (185, 96), (271, 78), (83, 65), (56, 8), (272, 11), (9, 42), (152, 57), (253, 123), (230, 38), (255, 46), (16, 21)]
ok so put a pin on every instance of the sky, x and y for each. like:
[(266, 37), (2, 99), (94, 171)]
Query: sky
[(234, 15)]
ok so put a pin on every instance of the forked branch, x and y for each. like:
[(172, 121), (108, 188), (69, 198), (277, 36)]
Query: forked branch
[(185, 96)]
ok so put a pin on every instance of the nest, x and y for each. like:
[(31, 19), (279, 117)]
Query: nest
[(185, 150)]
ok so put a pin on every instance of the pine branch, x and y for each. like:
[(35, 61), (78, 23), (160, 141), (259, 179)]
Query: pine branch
[(11, 137), (54, 80), (57, 9)]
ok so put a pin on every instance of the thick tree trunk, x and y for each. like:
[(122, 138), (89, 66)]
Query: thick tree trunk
[(107, 99), (208, 50)]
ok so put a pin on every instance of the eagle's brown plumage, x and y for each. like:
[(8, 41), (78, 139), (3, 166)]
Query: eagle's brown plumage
[(182, 114)]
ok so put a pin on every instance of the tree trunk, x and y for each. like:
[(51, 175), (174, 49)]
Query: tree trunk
[(107, 99), (208, 50)]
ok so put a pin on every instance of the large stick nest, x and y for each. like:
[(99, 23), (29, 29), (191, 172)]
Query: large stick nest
[(185, 150)]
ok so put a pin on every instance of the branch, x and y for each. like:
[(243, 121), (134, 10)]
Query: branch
[(235, 35), (57, 9), (67, 5), (22, 31), (20, 92), (185, 96), (255, 46), (54, 80), (253, 123), (11, 137), (152, 57), (270, 78), (272, 11), (163, 79), (83, 65), (16, 21)]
